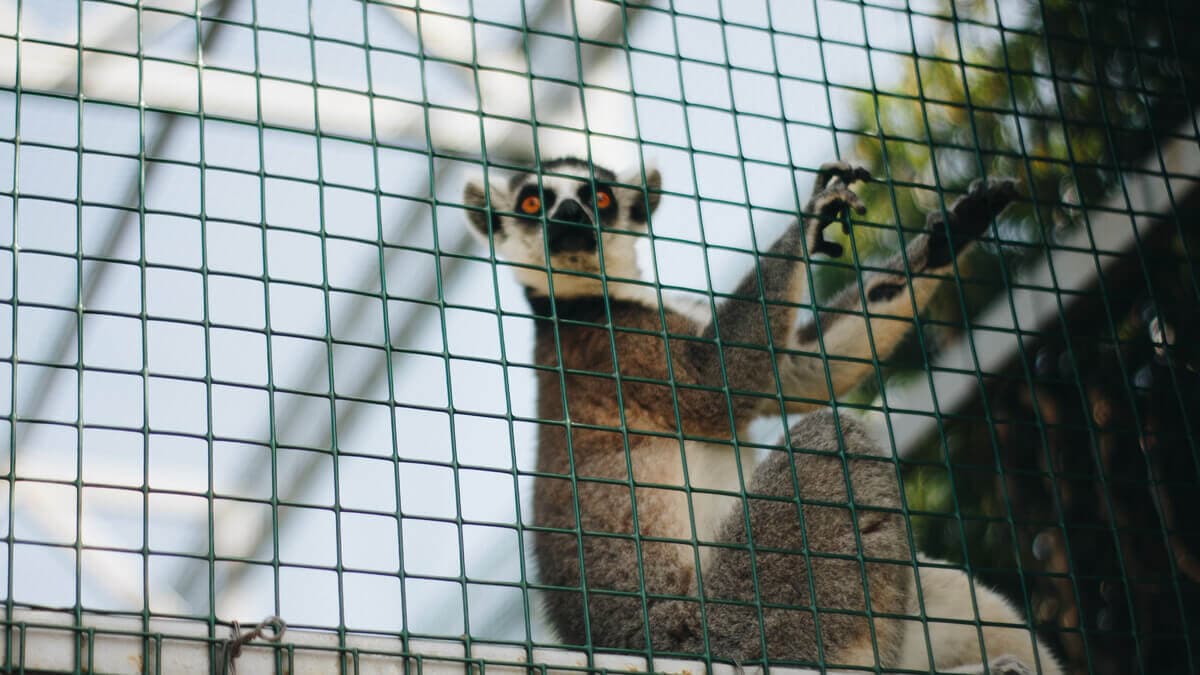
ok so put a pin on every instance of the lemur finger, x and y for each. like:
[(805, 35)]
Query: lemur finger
[(967, 218), (848, 174), (826, 206)]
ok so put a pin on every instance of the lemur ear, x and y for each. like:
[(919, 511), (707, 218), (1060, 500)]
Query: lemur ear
[(653, 188), (475, 199), (647, 198)]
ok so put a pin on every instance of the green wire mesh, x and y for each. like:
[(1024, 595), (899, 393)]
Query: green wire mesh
[(255, 367)]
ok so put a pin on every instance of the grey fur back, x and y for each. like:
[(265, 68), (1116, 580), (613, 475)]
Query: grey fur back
[(782, 570)]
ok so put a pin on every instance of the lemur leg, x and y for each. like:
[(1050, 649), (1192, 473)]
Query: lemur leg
[(769, 601), (846, 341), (775, 287)]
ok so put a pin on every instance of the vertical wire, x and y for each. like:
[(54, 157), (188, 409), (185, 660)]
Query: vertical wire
[(145, 337), (441, 306), (79, 321), (504, 361), (334, 450), (16, 356), (387, 324), (207, 330), (268, 334)]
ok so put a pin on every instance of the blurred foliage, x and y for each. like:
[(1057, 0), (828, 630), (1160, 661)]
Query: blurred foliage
[(1064, 100), (1062, 103)]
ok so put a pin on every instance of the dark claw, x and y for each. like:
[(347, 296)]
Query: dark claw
[(828, 204), (971, 213), (830, 196), (969, 217), (984, 200), (829, 248), (848, 173)]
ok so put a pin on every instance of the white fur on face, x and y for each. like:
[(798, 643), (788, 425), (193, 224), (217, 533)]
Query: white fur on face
[(523, 240)]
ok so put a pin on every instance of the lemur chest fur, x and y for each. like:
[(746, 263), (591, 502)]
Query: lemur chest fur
[(634, 403), (644, 389)]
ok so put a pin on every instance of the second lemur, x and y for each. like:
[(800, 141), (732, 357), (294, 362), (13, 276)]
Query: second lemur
[(824, 572)]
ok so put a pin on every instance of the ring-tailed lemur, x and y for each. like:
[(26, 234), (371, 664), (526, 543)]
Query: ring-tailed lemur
[(654, 525)]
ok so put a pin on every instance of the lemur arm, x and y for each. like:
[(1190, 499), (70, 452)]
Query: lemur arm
[(775, 285), (846, 342)]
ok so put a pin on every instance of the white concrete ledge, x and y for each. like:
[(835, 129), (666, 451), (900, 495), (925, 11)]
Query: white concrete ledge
[(47, 640)]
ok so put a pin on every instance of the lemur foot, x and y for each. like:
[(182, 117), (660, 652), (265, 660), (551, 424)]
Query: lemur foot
[(831, 196), (1009, 665), (1004, 665), (969, 217)]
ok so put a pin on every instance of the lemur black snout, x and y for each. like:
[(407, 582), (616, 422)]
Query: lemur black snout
[(570, 211), (570, 228)]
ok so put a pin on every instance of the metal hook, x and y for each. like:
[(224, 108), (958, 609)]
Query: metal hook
[(270, 629)]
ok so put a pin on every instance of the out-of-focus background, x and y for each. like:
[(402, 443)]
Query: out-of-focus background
[(253, 364)]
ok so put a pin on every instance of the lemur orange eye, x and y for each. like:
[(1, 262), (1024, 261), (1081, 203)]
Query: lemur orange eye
[(603, 200), (531, 204)]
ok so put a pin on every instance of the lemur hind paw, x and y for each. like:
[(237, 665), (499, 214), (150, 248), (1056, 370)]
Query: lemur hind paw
[(968, 217), (1009, 665), (831, 196)]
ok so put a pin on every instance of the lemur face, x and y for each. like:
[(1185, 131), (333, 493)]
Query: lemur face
[(569, 216)]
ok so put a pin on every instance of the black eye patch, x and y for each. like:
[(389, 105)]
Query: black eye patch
[(604, 199), (546, 195), (884, 292)]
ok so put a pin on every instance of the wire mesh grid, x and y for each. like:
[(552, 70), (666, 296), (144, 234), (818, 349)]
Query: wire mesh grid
[(256, 367)]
